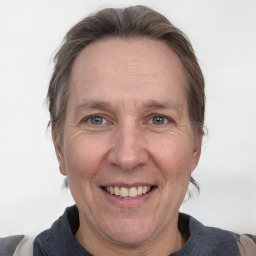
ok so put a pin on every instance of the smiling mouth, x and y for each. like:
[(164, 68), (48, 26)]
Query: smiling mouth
[(128, 193)]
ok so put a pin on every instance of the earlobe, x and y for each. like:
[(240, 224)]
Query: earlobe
[(197, 150), (59, 153)]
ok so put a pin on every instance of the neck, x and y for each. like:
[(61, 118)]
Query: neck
[(171, 241)]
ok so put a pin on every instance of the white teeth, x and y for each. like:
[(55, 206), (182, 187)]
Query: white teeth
[(144, 189), (111, 190), (133, 192), (139, 190), (117, 191), (125, 192)]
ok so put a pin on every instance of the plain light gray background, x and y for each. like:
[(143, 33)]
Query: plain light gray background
[(223, 33)]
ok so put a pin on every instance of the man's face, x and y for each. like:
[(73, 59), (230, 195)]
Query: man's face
[(127, 132)]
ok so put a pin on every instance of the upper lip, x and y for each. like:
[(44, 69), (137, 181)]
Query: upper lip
[(130, 185)]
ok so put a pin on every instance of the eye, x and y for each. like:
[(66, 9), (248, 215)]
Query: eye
[(158, 120), (96, 120)]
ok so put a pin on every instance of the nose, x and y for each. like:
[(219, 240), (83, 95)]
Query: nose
[(128, 151)]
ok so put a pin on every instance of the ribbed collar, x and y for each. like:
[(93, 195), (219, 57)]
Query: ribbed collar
[(59, 240)]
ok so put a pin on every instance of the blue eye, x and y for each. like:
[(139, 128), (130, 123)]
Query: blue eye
[(158, 120), (97, 120)]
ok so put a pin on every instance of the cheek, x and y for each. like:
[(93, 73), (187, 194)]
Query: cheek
[(82, 158), (175, 159), (82, 161)]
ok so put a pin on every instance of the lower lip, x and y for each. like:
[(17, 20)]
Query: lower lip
[(128, 202)]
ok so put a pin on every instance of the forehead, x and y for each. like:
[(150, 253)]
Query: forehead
[(128, 67)]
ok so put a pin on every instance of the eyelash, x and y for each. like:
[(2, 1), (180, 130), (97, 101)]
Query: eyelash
[(169, 120), (85, 120)]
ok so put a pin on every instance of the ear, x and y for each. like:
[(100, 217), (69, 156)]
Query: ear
[(196, 150), (59, 153)]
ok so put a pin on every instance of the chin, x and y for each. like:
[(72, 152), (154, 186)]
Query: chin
[(129, 232)]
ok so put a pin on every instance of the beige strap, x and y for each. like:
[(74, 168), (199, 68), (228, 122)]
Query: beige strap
[(246, 246), (25, 247)]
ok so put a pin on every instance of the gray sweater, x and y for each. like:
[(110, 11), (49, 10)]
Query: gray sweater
[(59, 240)]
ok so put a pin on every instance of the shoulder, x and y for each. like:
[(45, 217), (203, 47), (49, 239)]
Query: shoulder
[(217, 241), (19, 245), (246, 244), (42, 243)]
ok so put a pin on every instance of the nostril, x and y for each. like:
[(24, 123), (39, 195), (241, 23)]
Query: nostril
[(127, 152), (128, 162)]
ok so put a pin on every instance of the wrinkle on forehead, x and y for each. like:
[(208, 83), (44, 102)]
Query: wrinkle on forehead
[(137, 106), (129, 59), (129, 72)]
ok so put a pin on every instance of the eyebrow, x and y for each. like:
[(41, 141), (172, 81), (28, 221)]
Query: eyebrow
[(153, 104), (92, 104), (149, 104)]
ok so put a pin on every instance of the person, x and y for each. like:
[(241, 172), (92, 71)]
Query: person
[(127, 103)]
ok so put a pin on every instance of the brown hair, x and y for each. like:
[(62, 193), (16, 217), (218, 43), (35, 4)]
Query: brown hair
[(133, 21)]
